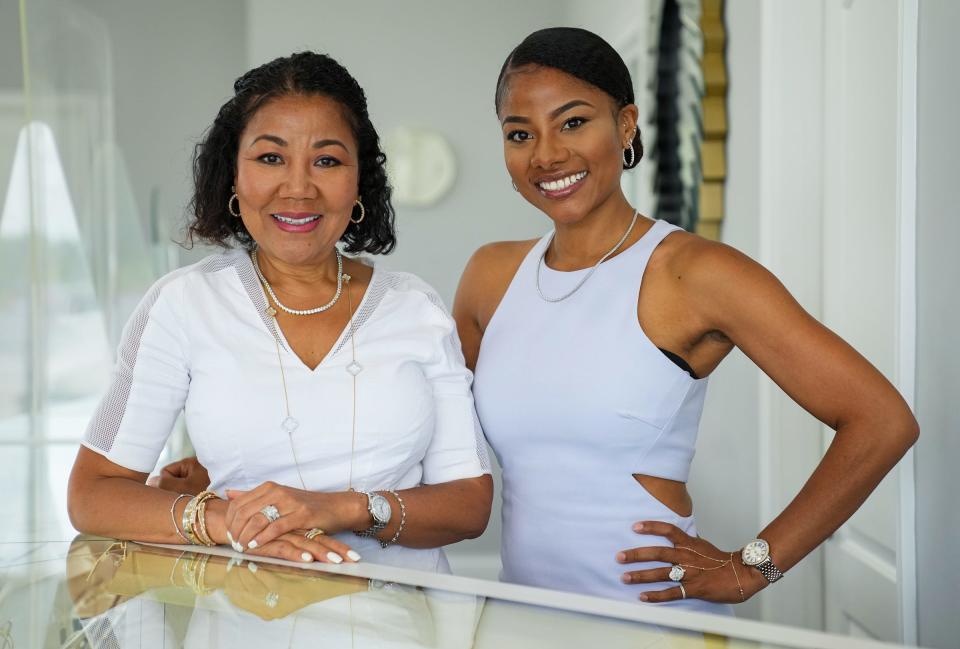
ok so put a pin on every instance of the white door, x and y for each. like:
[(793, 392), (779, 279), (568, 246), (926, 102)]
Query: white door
[(834, 201), (861, 288)]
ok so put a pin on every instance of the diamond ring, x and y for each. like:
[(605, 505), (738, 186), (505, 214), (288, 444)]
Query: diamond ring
[(677, 572), (271, 512), (272, 599)]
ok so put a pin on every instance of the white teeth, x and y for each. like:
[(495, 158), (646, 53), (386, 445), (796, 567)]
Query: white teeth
[(302, 221), (562, 183)]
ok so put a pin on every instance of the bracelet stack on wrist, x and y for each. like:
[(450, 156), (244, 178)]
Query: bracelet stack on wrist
[(194, 519)]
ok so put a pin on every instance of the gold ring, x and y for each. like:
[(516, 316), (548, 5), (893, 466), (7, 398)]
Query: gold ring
[(683, 591), (314, 533)]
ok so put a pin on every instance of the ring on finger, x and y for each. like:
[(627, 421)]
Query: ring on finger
[(677, 572), (683, 591), (271, 512), (314, 533)]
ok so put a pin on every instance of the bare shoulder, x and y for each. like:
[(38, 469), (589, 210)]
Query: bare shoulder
[(706, 266), (488, 275)]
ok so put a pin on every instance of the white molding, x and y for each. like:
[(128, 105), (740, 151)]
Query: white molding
[(906, 360)]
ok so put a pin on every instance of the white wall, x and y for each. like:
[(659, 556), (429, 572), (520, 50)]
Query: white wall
[(938, 321)]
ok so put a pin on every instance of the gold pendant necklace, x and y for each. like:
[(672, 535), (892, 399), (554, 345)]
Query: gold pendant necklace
[(290, 423)]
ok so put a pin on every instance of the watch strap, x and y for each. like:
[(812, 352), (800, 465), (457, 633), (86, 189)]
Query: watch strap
[(769, 570), (377, 526)]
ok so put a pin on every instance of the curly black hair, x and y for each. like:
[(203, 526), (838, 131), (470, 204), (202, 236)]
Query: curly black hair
[(215, 156), (579, 53)]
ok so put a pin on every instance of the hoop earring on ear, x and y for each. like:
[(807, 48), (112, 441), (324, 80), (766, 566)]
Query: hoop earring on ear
[(363, 214), (233, 197), (629, 163), (515, 188)]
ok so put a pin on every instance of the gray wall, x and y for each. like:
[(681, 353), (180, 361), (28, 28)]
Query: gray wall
[(938, 305), (174, 63)]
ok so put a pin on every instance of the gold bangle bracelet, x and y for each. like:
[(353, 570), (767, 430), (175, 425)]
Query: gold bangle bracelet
[(201, 526)]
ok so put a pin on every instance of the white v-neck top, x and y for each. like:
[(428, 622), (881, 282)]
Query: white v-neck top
[(200, 343)]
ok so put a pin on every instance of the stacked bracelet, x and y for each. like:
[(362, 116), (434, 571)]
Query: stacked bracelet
[(173, 517), (194, 521), (403, 519)]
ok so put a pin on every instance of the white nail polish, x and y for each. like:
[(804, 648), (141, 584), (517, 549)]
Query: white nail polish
[(252, 544), (306, 556), (334, 557), (353, 555)]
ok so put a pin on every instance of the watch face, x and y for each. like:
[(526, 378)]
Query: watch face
[(381, 508), (755, 552)]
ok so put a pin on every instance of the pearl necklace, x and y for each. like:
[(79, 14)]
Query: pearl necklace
[(319, 309), (592, 270)]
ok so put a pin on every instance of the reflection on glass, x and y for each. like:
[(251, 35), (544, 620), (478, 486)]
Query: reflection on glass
[(123, 592)]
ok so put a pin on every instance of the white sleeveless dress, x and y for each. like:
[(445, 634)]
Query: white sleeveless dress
[(575, 399)]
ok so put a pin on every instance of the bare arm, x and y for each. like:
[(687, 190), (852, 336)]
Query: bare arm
[(826, 377), (436, 515), (736, 298)]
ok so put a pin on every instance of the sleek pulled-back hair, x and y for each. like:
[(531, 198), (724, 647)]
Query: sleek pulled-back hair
[(579, 53), (215, 156)]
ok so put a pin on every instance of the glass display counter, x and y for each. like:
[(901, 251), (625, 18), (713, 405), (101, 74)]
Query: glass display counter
[(94, 592)]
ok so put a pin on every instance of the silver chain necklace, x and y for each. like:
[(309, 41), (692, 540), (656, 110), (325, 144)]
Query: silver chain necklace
[(283, 307), (576, 288)]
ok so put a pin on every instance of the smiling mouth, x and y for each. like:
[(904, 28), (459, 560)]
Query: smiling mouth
[(289, 221), (560, 184)]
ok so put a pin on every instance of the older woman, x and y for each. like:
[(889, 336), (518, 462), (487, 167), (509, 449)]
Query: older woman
[(606, 329), (327, 399)]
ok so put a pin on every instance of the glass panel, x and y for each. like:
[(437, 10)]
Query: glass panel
[(95, 592), (15, 275)]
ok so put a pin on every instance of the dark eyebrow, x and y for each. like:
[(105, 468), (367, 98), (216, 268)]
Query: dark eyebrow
[(279, 141), (319, 144), (557, 112)]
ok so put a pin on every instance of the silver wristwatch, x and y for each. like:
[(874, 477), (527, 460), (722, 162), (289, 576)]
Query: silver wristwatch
[(756, 554), (381, 511)]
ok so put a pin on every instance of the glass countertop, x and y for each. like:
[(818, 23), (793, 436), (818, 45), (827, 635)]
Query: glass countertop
[(94, 592)]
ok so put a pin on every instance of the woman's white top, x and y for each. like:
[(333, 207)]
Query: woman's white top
[(200, 342), (575, 399)]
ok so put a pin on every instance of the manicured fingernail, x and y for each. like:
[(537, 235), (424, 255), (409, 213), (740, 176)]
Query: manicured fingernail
[(252, 567), (252, 544), (306, 556), (353, 555), (334, 557), (638, 527), (625, 577), (621, 557), (644, 597)]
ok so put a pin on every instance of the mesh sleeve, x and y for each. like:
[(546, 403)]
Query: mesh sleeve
[(149, 384)]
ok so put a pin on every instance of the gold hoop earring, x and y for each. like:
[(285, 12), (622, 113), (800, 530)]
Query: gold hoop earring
[(233, 197), (363, 214)]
